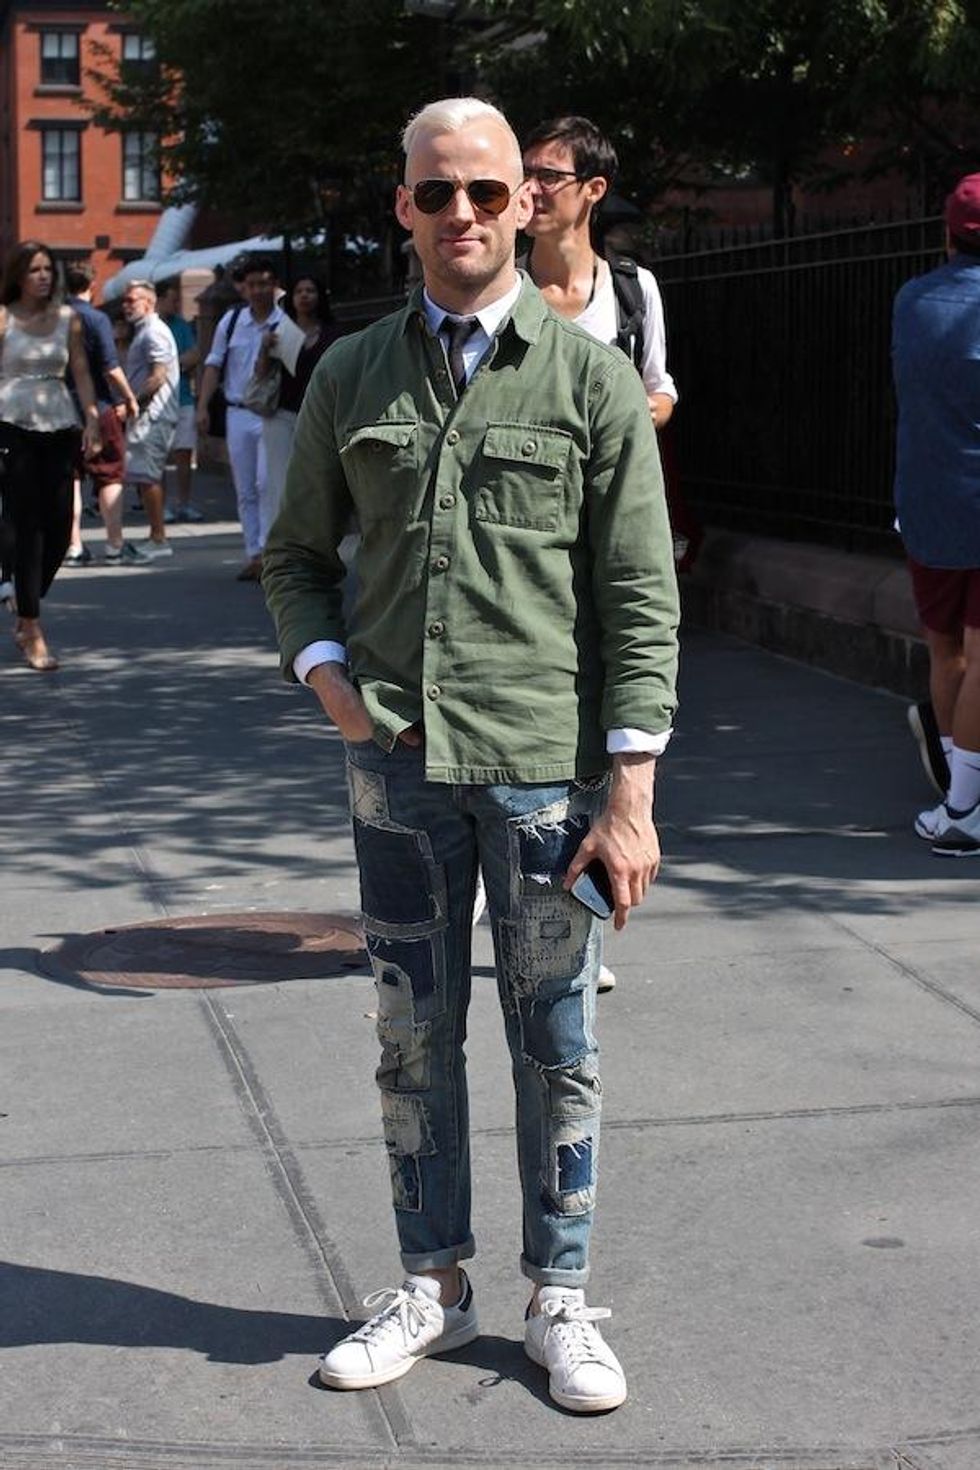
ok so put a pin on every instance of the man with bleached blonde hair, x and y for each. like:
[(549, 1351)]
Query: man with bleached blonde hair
[(504, 684)]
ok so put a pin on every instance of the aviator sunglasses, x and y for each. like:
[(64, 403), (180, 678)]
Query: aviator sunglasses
[(432, 196)]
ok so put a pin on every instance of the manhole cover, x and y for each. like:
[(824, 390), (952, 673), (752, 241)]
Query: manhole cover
[(212, 949)]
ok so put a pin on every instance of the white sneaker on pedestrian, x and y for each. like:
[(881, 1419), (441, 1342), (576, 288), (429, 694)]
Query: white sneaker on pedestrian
[(150, 550), (960, 836), (607, 980), (932, 823), (411, 1325), (584, 1374)]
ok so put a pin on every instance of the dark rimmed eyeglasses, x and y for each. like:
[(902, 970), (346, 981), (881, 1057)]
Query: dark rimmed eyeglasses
[(549, 178), (432, 196)]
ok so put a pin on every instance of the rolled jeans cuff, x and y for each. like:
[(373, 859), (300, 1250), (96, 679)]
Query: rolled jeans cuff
[(550, 1276), (439, 1260)]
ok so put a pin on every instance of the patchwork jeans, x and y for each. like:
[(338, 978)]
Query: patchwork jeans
[(419, 847)]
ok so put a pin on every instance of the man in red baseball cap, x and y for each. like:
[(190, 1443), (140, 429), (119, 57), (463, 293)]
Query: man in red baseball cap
[(936, 362)]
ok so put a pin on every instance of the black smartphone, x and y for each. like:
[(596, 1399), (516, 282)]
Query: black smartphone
[(592, 888)]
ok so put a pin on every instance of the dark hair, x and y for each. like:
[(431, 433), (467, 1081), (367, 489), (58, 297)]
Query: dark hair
[(16, 266), (256, 265), (966, 244), (592, 153), (172, 283), (323, 312), (79, 276)]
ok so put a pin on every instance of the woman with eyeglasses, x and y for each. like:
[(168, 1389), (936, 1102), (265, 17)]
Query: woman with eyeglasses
[(39, 433)]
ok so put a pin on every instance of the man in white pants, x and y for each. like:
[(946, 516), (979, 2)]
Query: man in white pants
[(235, 347)]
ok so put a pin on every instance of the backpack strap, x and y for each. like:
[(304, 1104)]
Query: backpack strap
[(630, 308), (236, 312)]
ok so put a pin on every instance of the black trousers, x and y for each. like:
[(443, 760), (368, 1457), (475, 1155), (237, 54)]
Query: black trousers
[(36, 482)]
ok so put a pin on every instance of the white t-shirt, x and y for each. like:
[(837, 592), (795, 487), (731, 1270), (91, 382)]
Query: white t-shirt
[(601, 320), (153, 343)]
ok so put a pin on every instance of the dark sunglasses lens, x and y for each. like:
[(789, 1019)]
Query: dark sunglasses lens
[(490, 195), (431, 195)]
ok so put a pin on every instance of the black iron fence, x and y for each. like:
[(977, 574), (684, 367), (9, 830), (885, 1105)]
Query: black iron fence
[(781, 354)]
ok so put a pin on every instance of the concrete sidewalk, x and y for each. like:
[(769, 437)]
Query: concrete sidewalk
[(194, 1195)]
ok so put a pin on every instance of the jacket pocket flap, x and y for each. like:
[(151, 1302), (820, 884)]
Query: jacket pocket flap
[(395, 433), (528, 444)]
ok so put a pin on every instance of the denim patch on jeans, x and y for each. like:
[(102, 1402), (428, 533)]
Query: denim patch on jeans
[(419, 847)]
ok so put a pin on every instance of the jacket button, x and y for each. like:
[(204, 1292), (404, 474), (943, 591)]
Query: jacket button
[(452, 437), (529, 446), (436, 629), (441, 563), (446, 502), (433, 691)]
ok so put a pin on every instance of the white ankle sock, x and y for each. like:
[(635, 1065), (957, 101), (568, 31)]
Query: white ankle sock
[(964, 780)]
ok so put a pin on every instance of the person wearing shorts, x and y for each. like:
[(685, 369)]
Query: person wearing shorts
[(153, 370), (116, 403), (936, 361)]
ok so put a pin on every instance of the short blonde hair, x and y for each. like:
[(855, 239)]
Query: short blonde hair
[(450, 114)]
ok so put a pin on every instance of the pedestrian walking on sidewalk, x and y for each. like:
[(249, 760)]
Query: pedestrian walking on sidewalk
[(505, 680), (936, 359), (154, 374), (39, 434), (230, 362), (117, 405)]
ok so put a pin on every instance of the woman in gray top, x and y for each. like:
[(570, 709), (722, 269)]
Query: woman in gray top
[(39, 432)]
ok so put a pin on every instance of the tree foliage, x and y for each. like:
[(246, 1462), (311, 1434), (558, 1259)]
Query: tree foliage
[(274, 113)]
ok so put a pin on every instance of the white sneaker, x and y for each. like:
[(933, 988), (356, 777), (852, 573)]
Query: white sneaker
[(151, 550), (584, 1374), (412, 1325), (960, 836), (607, 980), (932, 823)]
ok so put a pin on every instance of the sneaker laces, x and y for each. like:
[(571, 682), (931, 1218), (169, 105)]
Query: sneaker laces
[(402, 1312), (571, 1322)]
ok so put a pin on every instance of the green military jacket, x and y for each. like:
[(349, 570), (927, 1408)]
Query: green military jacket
[(515, 577)]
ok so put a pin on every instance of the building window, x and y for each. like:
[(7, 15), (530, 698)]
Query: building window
[(141, 166), (59, 59), (61, 173), (137, 50)]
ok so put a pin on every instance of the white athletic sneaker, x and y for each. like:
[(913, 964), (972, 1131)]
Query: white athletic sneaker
[(932, 823), (411, 1325), (584, 1374), (607, 980), (961, 835)]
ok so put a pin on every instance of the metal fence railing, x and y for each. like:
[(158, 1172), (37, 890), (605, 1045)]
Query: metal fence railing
[(781, 354)]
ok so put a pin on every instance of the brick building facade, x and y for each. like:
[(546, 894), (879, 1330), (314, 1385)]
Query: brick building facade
[(87, 193)]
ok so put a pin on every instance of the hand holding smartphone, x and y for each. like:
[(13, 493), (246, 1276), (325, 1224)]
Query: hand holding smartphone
[(593, 889)]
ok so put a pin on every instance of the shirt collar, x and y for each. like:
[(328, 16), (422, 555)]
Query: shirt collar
[(526, 318), (489, 317)]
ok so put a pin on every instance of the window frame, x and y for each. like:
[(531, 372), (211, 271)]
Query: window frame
[(49, 132), (60, 35), (141, 167)]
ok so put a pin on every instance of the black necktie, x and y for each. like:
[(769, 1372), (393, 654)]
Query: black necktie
[(459, 334)]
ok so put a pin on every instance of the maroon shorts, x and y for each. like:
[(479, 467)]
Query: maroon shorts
[(948, 600), (106, 467)]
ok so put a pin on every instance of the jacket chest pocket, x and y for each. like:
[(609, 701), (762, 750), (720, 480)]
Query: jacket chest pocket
[(523, 475), (381, 462)]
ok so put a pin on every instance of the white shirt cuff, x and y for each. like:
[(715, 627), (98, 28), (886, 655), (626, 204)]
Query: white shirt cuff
[(622, 742), (321, 652)]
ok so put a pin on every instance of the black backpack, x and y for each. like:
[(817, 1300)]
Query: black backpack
[(630, 311)]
